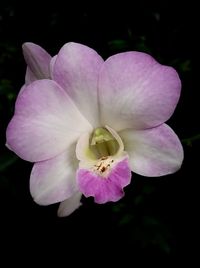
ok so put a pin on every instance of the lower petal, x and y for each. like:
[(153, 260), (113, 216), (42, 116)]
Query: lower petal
[(153, 152), (105, 188), (69, 205), (53, 180)]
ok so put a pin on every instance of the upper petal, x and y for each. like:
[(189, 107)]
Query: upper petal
[(76, 69), (153, 152), (54, 180), (137, 92), (46, 122), (38, 61)]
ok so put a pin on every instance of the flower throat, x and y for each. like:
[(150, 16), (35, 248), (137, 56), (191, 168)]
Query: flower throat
[(102, 143)]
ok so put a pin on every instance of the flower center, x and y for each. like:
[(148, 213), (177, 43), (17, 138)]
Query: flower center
[(103, 168), (100, 151), (103, 165), (103, 144)]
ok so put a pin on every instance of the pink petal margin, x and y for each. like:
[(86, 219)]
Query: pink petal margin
[(45, 122), (153, 152), (137, 92), (105, 189)]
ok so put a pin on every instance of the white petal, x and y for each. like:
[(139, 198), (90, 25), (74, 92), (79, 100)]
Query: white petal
[(54, 180), (153, 152), (76, 69), (82, 148), (69, 205)]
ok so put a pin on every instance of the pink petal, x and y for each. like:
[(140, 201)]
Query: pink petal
[(153, 152), (30, 76), (22, 89), (105, 189), (38, 61), (52, 63), (76, 69), (54, 180), (137, 92), (69, 205), (46, 122)]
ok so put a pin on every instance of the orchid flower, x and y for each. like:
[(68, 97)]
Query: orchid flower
[(87, 123)]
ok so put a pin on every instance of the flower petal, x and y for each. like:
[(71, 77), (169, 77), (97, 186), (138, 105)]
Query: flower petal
[(76, 69), (46, 122), (69, 205), (105, 189), (137, 92), (30, 76), (52, 63), (54, 180), (37, 59), (153, 152), (22, 89), (82, 148)]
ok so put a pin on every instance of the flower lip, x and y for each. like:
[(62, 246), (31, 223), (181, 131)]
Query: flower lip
[(108, 187), (103, 166)]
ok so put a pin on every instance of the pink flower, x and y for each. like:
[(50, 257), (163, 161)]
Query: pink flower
[(87, 123)]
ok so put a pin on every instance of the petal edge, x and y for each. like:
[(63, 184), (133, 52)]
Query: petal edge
[(153, 152)]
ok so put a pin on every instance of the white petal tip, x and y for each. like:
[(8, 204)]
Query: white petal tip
[(61, 213)]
